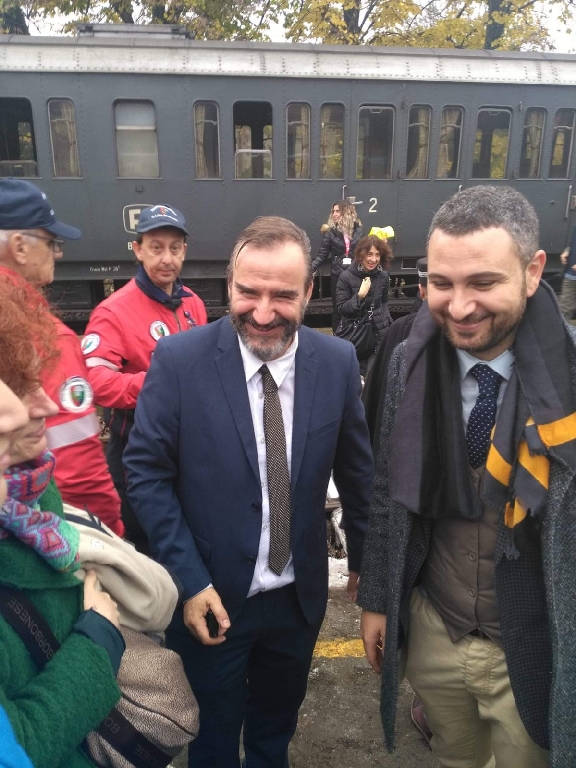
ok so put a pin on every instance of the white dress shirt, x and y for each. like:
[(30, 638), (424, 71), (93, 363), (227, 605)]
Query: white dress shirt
[(503, 364), (283, 371)]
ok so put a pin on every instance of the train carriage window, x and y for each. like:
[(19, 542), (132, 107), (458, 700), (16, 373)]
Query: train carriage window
[(332, 141), (562, 138), (63, 138), (449, 145), (136, 140), (298, 141), (491, 145), (17, 141), (532, 136), (375, 140), (206, 127), (252, 140), (418, 143)]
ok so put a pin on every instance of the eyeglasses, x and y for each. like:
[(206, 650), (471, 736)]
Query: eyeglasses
[(55, 244)]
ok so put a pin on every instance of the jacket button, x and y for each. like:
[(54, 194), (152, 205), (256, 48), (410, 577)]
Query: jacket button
[(420, 548), (256, 507), (251, 559)]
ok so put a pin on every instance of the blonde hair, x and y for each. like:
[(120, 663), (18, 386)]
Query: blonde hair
[(348, 218)]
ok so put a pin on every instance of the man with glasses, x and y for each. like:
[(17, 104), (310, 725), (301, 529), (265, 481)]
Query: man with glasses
[(31, 239), (123, 330)]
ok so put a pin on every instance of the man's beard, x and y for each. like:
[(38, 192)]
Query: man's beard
[(267, 349), (497, 331)]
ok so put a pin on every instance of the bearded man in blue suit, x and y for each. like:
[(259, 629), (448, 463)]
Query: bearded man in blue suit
[(232, 495)]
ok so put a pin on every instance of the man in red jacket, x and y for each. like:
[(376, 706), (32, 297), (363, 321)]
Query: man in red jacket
[(124, 328), (31, 239)]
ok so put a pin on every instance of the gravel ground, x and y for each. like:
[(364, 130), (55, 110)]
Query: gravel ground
[(339, 725)]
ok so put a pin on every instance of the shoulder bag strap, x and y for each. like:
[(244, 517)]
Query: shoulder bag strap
[(29, 624), (34, 631), (92, 522)]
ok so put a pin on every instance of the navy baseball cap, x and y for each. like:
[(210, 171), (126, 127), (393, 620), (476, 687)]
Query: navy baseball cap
[(24, 206), (161, 216)]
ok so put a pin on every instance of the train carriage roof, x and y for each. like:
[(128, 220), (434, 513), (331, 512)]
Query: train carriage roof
[(137, 53)]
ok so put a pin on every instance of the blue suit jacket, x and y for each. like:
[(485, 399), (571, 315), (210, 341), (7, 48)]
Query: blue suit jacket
[(192, 464)]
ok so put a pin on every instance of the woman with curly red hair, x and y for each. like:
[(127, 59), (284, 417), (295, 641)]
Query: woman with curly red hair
[(54, 708), (26, 335), (362, 290)]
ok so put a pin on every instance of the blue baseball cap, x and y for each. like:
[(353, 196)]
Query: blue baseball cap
[(161, 216), (24, 206)]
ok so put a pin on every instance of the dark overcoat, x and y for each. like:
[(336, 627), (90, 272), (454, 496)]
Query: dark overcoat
[(396, 547)]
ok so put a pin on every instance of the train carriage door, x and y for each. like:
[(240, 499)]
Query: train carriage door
[(299, 199), (333, 155), (373, 178), (329, 166), (547, 157), (416, 199)]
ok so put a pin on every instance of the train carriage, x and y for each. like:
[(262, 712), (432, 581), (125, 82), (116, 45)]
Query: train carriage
[(116, 118)]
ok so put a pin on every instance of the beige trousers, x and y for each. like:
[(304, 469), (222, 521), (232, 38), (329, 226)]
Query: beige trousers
[(467, 696)]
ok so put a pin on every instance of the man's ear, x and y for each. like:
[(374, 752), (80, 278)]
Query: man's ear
[(534, 272), (309, 291), (16, 252), (136, 247)]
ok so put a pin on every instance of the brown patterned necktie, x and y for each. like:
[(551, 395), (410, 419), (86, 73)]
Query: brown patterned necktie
[(278, 477)]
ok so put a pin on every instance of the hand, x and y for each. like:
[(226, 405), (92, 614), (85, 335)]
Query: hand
[(195, 611), (98, 601), (352, 586), (364, 287), (564, 257), (373, 632)]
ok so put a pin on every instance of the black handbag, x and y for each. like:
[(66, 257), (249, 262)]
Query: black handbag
[(360, 333)]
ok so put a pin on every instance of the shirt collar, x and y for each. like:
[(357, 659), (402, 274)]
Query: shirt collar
[(503, 364), (278, 367)]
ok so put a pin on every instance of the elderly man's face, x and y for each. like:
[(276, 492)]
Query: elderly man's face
[(268, 298), (477, 289), (42, 251)]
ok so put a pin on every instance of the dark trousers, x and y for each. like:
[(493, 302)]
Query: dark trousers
[(134, 531), (335, 315), (256, 679)]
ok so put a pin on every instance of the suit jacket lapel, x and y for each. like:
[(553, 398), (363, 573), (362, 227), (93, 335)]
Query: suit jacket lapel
[(305, 382), (231, 370)]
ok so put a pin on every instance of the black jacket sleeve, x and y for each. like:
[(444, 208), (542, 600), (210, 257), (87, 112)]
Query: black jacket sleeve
[(323, 251), (348, 303)]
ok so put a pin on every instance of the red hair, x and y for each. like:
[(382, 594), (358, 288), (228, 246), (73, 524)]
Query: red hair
[(27, 334)]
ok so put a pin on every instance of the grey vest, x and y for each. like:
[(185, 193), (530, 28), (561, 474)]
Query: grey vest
[(458, 576)]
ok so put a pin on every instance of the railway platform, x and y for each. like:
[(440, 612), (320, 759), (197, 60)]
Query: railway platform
[(339, 724)]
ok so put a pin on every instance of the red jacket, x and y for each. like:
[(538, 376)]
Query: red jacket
[(121, 336), (81, 473)]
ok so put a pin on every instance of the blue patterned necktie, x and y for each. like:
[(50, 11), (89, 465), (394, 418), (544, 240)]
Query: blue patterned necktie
[(483, 415)]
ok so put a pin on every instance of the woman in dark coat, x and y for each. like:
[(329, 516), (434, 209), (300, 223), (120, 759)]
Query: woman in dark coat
[(363, 289), (341, 233)]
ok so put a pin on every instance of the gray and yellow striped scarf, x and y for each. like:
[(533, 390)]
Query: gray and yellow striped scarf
[(536, 421), (428, 467)]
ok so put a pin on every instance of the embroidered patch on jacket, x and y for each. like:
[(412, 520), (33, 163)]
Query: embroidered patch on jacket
[(76, 394)]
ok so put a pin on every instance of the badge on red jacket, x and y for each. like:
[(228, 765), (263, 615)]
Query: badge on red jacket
[(76, 394), (158, 330), (90, 343)]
